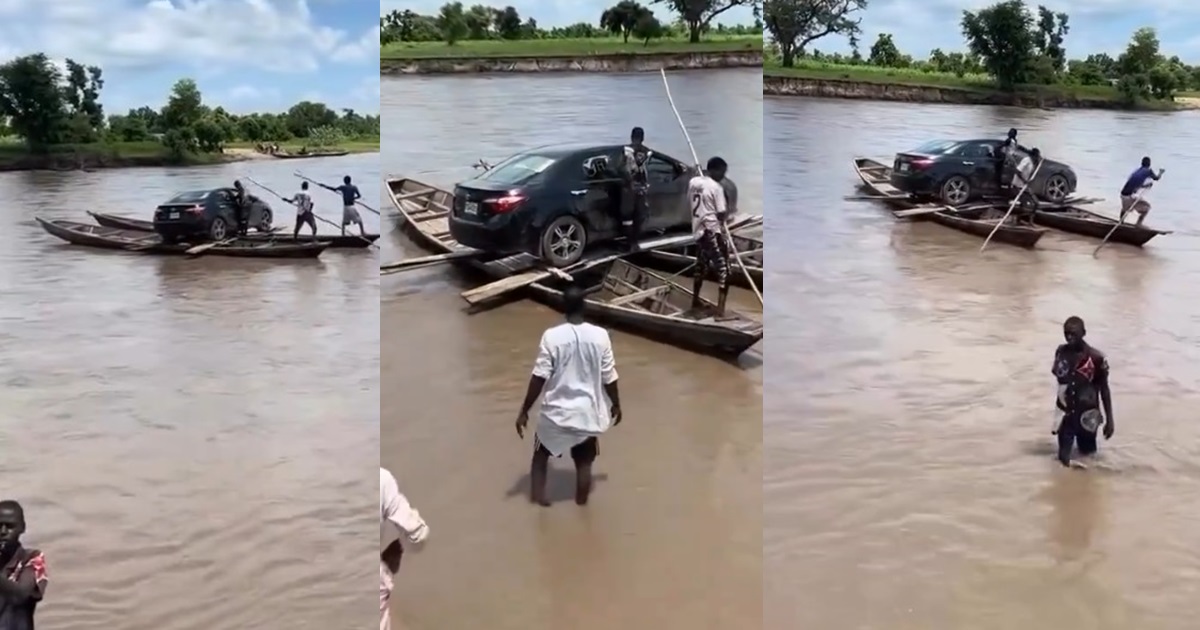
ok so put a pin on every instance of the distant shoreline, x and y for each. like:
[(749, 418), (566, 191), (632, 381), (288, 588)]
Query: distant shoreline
[(139, 155)]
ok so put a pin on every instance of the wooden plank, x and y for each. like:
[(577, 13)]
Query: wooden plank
[(659, 291), (512, 283), (426, 261), (415, 194), (200, 249)]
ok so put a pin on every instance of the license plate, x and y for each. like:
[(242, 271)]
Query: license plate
[(904, 168), (471, 207), (173, 215)]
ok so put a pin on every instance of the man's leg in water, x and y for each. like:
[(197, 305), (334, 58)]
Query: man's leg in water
[(538, 468), (584, 454), (1086, 440), (1067, 432)]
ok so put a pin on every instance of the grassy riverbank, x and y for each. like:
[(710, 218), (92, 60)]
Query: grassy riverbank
[(973, 88), (15, 156), (583, 47)]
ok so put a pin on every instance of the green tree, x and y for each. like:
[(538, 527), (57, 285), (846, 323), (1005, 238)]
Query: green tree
[(479, 19), (1001, 35), (1142, 53), (621, 18), (82, 96), (185, 106), (32, 100), (327, 136), (306, 116), (884, 52), (209, 134), (794, 24), (128, 129), (647, 28), (452, 22), (698, 14), (1052, 31), (508, 23)]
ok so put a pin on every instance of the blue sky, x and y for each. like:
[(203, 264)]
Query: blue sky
[(919, 26), (246, 55), (556, 12)]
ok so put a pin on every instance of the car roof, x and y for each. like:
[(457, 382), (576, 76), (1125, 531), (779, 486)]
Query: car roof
[(566, 149)]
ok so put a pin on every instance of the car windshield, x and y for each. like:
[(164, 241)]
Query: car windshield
[(935, 147), (517, 169), (195, 196)]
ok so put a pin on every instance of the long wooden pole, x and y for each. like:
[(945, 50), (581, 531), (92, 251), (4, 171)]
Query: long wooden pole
[(313, 181), (318, 217), (724, 230), (1012, 205)]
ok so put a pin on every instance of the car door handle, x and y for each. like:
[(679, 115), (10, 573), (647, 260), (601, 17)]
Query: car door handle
[(969, 163), (579, 193)]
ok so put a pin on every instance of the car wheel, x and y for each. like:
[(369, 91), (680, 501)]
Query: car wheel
[(955, 191), (563, 241), (264, 224), (1057, 188), (219, 230)]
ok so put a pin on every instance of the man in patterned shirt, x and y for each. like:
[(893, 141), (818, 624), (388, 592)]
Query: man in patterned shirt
[(709, 213), (23, 582), (304, 211), (1082, 373), (634, 198)]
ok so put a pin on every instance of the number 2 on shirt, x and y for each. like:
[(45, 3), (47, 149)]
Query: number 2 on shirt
[(696, 204)]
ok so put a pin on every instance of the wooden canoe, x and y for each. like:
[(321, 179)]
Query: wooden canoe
[(976, 219), (681, 260), (657, 314), (103, 237), (300, 156), (336, 241), (1087, 223)]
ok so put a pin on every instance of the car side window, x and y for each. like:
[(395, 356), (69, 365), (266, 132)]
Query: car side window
[(975, 150), (660, 170)]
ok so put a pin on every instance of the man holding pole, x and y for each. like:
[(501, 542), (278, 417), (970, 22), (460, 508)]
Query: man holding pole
[(1027, 168), (1131, 193), (709, 210)]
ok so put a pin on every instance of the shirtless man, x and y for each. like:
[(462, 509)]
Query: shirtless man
[(23, 578), (1139, 180), (1082, 373), (396, 519), (576, 370), (709, 213)]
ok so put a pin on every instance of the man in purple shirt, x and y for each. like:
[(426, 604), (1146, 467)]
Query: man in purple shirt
[(1132, 192)]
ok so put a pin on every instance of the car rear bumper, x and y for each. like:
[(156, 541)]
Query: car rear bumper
[(502, 234), (914, 183), (181, 228)]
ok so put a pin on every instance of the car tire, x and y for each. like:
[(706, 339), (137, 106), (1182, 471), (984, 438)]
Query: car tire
[(1057, 188), (218, 230), (563, 241), (955, 191), (264, 224)]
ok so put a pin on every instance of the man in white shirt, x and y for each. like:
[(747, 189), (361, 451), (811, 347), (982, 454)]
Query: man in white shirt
[(709, 213), (396, 519), (576, 370), (1027, 168), (304, 211)]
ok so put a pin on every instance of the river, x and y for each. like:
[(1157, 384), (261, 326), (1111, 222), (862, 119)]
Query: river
[(192, 439), (909, 480), (672, 537)]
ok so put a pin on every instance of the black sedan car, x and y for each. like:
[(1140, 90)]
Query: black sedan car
[(958, 171), (207, 214), (556, 201)]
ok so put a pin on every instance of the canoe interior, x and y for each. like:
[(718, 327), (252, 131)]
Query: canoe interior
[(137, 240), (350, 240)]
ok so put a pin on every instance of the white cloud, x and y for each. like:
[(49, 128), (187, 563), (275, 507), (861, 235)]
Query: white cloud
[(365, 47)]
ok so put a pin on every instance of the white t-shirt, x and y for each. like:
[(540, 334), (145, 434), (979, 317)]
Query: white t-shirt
[(303, 202), (707, 198), (577, 362), (396, 516), (1024, 170)]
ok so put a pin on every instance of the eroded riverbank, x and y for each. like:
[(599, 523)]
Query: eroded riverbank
[(593, 63)]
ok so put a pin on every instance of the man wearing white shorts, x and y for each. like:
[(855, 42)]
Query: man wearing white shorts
[(397, 519), (1131, 199), (350, 197)]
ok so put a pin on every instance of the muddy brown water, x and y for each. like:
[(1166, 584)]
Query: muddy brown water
[(672, 537), (192, 439), (909, 480)]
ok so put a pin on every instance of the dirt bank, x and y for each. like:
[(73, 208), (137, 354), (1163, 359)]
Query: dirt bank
[(834, 88), (597, 63)]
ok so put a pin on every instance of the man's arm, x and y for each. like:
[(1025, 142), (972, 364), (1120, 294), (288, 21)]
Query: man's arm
[(720, 205), (608, 372), (1103, 389), (398, 511), (357, 194), (30, 585)]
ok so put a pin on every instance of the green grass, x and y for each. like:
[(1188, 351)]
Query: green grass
[(479, 49), (808, 69)]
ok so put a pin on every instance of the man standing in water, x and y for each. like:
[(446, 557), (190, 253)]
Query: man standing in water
[(1082, 373), (23, 582), (578, 373), (707, 198), (350, 197), (304, 211), (635, 205), (396, 518), (1131, 192)]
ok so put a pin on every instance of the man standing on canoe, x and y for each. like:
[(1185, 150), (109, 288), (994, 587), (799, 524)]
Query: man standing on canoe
[(1006, 155), (1131, 193), (23, 580), (1027, 167), (577, 372), (241, 208), (304, 211), (350, 197), (709, 213), (397, 518), (635, 205), (1082, 373)]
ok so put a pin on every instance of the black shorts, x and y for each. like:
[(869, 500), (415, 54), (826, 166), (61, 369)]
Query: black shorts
[(1071, 433), (306, 219), (583, 453)]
